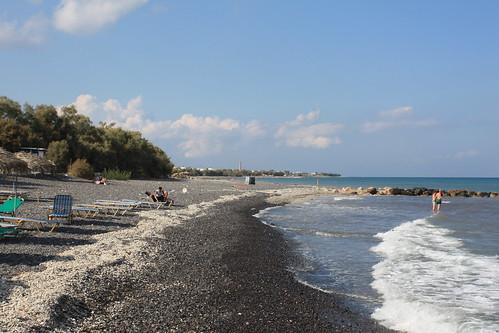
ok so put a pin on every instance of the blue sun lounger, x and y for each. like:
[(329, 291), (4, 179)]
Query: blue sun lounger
[(61, 210)]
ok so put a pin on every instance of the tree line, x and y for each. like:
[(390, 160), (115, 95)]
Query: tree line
[(69, 136)]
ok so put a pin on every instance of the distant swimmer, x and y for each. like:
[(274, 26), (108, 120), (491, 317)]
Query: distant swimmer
[(436, 199)]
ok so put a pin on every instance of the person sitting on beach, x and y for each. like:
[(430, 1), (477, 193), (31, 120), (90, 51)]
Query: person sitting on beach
[(160, 195), (101, 180), (436, 199)]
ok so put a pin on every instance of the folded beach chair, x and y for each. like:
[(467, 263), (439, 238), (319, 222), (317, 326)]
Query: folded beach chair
[(10, 205), (62, 209)]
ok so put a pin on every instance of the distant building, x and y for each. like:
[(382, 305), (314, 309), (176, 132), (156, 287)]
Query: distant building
[(40, 152)]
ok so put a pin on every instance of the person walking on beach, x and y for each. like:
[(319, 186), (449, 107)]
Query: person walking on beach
[(436, 199)]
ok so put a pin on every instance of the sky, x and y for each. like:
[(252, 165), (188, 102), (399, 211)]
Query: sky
[(362, 88)]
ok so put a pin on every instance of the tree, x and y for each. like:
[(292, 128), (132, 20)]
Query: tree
[(70, 136), (9, 109), (58, 152), (12, 134)]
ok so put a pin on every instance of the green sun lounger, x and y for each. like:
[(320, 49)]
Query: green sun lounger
[(10, 205), (8, 230)]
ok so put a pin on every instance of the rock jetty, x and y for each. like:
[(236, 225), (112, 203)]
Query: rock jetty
[(416, 191)]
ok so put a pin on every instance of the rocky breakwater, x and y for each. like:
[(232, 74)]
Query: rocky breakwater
[(416, 191)]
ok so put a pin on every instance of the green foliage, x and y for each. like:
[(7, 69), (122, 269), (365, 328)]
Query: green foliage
[(58, 152), (116, 174), (12, 134), (70, 136), (9, 108), (82, 169)]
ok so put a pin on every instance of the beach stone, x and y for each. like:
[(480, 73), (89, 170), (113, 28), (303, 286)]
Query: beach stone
[(419, 190), (395, 191), (457, 193), (409, 192), (372, 190), (483, 194), (384, 191)]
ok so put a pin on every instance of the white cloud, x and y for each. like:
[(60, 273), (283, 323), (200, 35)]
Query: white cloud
[(396, 118), (86, 104), (32, 32), (195, 136), (302, 118), (299, 133), (465, 154), (89, 16), (397, 112), (255, 128), (202, 136)]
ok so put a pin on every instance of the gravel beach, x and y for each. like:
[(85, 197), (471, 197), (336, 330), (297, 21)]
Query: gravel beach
[(206, 265)]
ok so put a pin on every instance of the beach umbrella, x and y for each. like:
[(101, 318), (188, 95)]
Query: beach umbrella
[(36, 163), (11, 165)]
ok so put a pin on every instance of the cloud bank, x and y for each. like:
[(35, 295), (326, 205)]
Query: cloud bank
[(198, 136), (195, 136), (89, 16)]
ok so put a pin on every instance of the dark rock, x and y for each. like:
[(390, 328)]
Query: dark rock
[(395, 191), (419, 190)]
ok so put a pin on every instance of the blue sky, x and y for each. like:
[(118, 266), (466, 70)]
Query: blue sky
[(364, 88)]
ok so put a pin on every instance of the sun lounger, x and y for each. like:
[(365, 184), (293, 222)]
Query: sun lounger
[(135, 204), (142, 204), (10, 205), (85, 212), (20, 221), (109, 209), (62, 209), (8, 230)]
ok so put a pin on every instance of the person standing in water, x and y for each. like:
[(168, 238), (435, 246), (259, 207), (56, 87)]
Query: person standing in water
[(436, 199)]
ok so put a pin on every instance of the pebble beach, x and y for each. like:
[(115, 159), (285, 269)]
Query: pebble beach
[(204, 265)]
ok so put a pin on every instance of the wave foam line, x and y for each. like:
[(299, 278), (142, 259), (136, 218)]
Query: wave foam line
[(431, 283)]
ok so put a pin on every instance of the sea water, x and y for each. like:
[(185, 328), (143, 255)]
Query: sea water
[(394, 260)]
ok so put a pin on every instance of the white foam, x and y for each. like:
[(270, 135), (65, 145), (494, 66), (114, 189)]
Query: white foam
[(347, 198), (430, 283)]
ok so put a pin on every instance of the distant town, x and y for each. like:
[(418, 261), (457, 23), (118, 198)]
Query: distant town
[(182, 171)]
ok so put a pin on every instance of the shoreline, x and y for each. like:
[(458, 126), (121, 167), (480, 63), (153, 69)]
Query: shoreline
[(246, 286), (113, 272)]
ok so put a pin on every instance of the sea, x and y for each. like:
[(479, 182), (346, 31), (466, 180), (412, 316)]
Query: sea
[(393, 259)]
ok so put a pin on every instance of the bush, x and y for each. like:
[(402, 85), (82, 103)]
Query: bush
[(116, 174), (82, 169)]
